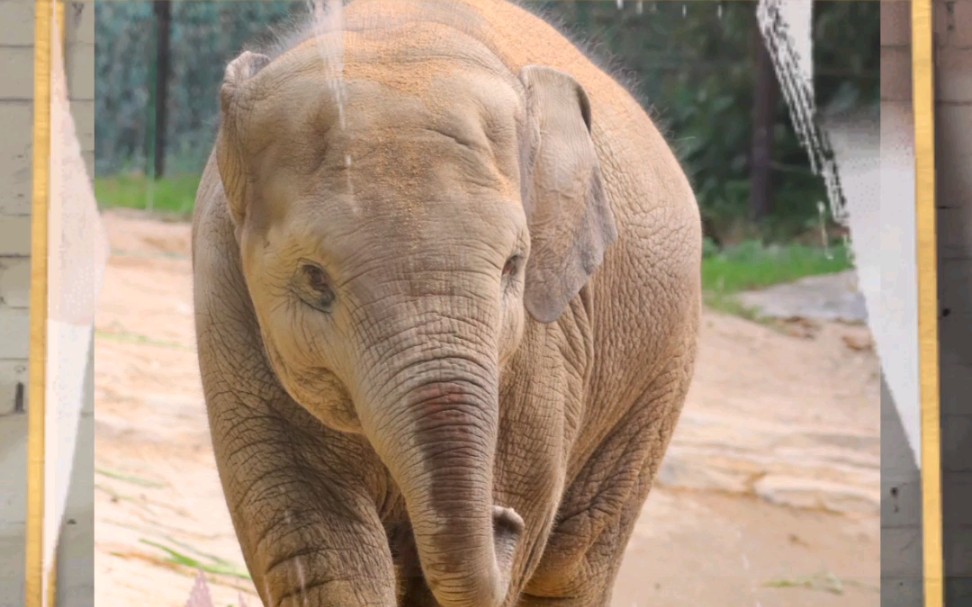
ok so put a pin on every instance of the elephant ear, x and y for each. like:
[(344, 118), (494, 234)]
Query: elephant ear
[(229, 150), (571, 224)]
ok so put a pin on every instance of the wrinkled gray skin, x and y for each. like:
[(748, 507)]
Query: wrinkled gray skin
[(444, 341)]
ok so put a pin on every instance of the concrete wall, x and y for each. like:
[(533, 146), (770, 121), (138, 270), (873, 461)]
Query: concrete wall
[(953, 36), (75, 574), (901, 512), (16, 119), (901, 546)]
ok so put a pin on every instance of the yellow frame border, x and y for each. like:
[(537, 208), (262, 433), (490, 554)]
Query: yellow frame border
[(44, 23), (37, 374), (922, 56)]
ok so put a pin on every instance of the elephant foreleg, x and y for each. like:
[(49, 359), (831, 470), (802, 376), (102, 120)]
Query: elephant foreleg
[(599, 510), (301, 496), (309, 533)]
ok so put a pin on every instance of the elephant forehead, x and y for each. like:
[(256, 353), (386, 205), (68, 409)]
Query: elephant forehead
[(427, 74), (418, 51), (399, 179), (387, 143), (452, 136)]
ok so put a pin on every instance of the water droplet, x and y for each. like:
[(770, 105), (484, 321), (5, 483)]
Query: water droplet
[(719, 10), (684, 10), (328, 17), (640, 8), (620, 4)]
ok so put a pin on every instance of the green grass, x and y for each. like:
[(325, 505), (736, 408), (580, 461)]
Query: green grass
[(128, 478), (752, 265), (170, 196), (210, 564), (823, 582), (134, 338)]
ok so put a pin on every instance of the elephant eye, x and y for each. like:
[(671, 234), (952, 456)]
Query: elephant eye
[(512, 266), (314, 286)]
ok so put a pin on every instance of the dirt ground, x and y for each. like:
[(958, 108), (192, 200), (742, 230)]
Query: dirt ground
[(769, 495)]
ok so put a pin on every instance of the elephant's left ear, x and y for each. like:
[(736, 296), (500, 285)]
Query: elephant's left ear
[(571, 223)]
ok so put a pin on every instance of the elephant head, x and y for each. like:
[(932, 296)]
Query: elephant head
[(394, 239)]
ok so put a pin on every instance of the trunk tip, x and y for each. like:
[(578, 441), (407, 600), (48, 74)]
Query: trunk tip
[(507, 529), (507, 522)]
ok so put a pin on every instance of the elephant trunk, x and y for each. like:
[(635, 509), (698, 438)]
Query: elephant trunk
[(436, 433)]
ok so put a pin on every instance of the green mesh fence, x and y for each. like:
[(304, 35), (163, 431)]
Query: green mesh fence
[(691, 64), (204, 37)]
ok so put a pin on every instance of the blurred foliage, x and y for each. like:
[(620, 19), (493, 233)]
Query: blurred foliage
[(691, 64)]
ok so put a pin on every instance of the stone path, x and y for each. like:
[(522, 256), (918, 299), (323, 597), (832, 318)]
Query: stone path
[(831, 297)]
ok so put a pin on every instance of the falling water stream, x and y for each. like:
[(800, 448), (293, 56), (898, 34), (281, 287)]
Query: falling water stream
[(327, 17)]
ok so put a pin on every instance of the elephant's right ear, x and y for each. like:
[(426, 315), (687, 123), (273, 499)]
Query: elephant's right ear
[(229, 148)]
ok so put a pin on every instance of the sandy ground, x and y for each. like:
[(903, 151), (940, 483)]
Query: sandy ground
[(769, 495)]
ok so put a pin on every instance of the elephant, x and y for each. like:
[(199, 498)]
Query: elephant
[(447, 291)]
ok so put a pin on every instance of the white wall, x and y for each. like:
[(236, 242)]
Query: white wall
[(75, 575), (897, 328)]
